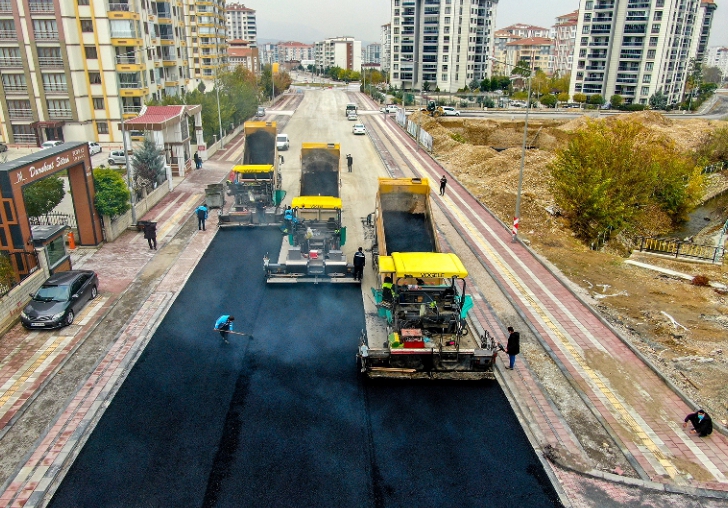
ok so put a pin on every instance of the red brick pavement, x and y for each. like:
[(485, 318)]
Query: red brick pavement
[(637, 405)]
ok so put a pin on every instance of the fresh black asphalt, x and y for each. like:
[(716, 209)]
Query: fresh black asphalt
[(283, 419)]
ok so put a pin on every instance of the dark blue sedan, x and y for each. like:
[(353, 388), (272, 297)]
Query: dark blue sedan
[(60, 298)]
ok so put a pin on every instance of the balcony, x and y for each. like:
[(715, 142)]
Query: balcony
[(20, 114), (46, 36), (132, 110), (8, 35), (50, 61), (119, 7), (6, 7), (60, 114), (55, 88), (601, 6), (25, 139), (124, 34), (128, 58), (16, 89), (11, 61)]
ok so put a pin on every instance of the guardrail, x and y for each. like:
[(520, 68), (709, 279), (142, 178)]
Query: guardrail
[(680, 248)]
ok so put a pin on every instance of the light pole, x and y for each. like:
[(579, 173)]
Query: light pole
[(517, 216), (217, 83), (129, 176)]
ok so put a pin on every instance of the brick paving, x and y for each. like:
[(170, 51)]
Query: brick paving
[(639, 408)]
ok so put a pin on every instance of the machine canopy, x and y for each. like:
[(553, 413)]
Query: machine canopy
[(325, 202), (422, 265), (253, 168)]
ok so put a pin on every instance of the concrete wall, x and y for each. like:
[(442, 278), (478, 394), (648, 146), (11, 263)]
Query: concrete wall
[(12, 303), (114, 228)]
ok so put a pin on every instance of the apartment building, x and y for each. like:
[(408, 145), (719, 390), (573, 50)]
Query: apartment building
[(292, 51), (717, 56), (446, 44), (268, 53), (240, 23), (501, 66), (343, 52), (563, 33), (386, 56), (526, 31), (241, 52), (638, 47), (71, 69), (373, 53), (537, 51)]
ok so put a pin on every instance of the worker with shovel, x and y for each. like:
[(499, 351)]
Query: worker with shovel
[(224, 324)]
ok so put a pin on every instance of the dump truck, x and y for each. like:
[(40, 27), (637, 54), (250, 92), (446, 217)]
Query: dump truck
[(255, 183), (315, 233), (422, 327), (350, 108)]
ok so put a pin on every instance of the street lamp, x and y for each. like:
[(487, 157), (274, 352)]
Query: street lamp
[(517, 216)]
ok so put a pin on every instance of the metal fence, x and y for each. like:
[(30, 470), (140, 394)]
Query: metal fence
[(23, 263), (679, 248), (54, 219)]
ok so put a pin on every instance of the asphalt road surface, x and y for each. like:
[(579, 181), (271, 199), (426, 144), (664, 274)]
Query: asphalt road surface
[(283, 419)]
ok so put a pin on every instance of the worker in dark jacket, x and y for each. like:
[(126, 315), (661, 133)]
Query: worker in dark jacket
[(702, 423), (359, 261), (513, 347), (201, 212), (150, 233)]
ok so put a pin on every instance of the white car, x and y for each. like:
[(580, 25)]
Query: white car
[(359, 129), (51, 144), (94, 148), (450, 111), (391, 108), (117, 157), (283, 142), (352, 117)]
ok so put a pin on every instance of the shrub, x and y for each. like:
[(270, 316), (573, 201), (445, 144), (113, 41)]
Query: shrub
[(112, 194), (457, 137), (700, 280)]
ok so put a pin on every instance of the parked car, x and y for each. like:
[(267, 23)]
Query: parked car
[(59, 299), (283, 142), (117, 157), (450, 111), (94, 148), (389, 108), (359, 129), (51, 144), (3, 147), (260, 112)]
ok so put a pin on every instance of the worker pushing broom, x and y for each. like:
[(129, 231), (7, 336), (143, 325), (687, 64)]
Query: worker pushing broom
[(224, 325)]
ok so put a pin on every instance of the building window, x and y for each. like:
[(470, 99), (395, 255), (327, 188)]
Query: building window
[(587, 16), (645, 90), (648, 65), (584, 41), (653, 41), (647, 78), (98, 103), (443, 77), (83, 2), (94, 78), (90, 52), (102, 127), (655, 29), (589, 5), (87, 26), (660, 3), (651, 53), (585, 29), (658, 16)]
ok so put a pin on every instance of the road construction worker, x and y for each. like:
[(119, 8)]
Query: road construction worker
[(359, 261), (224, 324)]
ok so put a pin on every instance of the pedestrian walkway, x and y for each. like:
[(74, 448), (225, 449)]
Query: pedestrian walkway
[(31, 358), (636, 406)]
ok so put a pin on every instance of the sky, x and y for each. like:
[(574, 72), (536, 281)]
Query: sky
[(311, 20)]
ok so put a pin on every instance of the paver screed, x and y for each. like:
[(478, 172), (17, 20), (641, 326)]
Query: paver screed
[(639, 408)]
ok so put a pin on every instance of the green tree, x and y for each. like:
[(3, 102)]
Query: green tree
[(549, 100), (658, 100), (713, 148), (580, 98), (563, 97), (596, 99), (148, 163), (43, 196), (8, 277), (485, 85), (610, 173), (426, 86), (560, 84), (474, 85), (712, 75), (112, 194), (616, 101)]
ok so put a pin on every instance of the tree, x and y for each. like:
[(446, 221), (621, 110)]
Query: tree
[(713, 148), (580, 98), (616, 101), (485, 85), (560, 84), (7, 273), (596, 99), (712, 75), (658, 100), (610, 174), (563, 97), (43, 196), (148, 163), (474, 85), (112, 194), (426, 86), (549, 100)]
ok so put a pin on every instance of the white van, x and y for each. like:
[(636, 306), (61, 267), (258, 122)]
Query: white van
[(282, 142)]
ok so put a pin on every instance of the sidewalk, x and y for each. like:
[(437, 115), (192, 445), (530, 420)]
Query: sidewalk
[(134, 281), (629, 404)]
